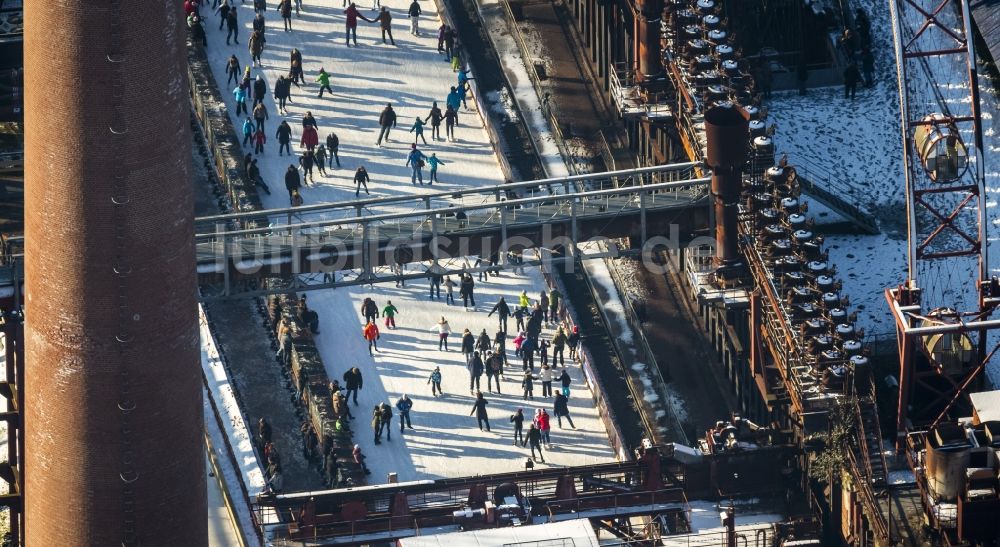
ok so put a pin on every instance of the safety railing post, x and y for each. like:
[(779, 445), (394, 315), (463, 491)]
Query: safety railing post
[(225, 264), (642, 218), (503, 235), (366, 262), (573, 226), (434, 242)]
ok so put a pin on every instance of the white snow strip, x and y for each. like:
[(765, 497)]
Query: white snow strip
[(233, 423)]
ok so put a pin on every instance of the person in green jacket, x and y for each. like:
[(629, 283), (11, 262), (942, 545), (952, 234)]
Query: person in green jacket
[(418, 127), (389, 313), (434, 161), (524, 302), (554, 297), (324, 82)]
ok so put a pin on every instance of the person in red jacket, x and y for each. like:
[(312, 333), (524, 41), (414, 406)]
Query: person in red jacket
[(352, 23), (370, 332), (544, 426), (258, 141), (310, 138)]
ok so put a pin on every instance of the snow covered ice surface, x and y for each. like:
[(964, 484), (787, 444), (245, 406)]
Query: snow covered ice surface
[(446, 441), (410, 75)]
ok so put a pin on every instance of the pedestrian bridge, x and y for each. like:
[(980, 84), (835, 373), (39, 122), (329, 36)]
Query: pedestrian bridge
[(409, 236), (371, 240)]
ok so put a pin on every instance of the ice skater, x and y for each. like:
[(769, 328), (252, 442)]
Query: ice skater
[(361, 178), (534, 440), (415, 161), (333, 145), (404, 405), (479, 409), (561, 409), (494, 370), (517, 418), (386, 121), (503, 311), (414, 14), (389, 313), (434, 161), (435, 382), (371, 334), (528, 385), (444, 330), (353, 383), (434, 117), (418, 129), (284, 136), (324, 82), (476, 369)]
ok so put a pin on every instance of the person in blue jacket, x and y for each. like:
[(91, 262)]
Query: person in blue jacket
[(247, 131), (415, 161), (241, 101), (463, 86), (418, 128), (454, 98), (434, 161)]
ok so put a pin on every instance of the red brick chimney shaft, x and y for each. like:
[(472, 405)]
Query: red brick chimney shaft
[(113, 417)]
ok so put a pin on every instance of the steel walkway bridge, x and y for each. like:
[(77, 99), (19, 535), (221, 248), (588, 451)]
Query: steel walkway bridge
[(411, 236)]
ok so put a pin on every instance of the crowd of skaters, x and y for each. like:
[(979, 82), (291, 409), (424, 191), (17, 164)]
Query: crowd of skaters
[(316, 154), (485, 355), (482, 355)]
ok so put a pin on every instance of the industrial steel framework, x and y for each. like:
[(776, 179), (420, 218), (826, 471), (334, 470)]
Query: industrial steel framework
[(946, 215)]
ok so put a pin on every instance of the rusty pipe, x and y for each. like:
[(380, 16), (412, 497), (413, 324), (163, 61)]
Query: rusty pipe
[(649, 14), (727, 129)]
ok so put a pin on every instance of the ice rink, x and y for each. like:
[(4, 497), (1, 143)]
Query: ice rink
[(445, 441)]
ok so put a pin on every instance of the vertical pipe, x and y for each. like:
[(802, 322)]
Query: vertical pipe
[(114, 431), (647, 37), (727, 129), (729, 523)]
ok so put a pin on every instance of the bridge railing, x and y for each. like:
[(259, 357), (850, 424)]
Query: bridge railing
[(466, 198), (607, 201)]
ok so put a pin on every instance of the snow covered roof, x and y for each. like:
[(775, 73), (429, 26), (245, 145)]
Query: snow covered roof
[(986, 405)]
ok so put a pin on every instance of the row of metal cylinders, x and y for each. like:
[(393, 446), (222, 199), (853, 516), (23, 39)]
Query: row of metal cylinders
[(705, 52), (798, 264)]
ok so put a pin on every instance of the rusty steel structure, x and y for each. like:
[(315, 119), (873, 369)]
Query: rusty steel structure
[(112, 413), (655, 485), (942, 317), (727, 130), (806, 356)]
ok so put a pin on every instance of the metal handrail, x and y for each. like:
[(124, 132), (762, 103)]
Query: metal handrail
[(452, 210), (497, 190), (876, 518)]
